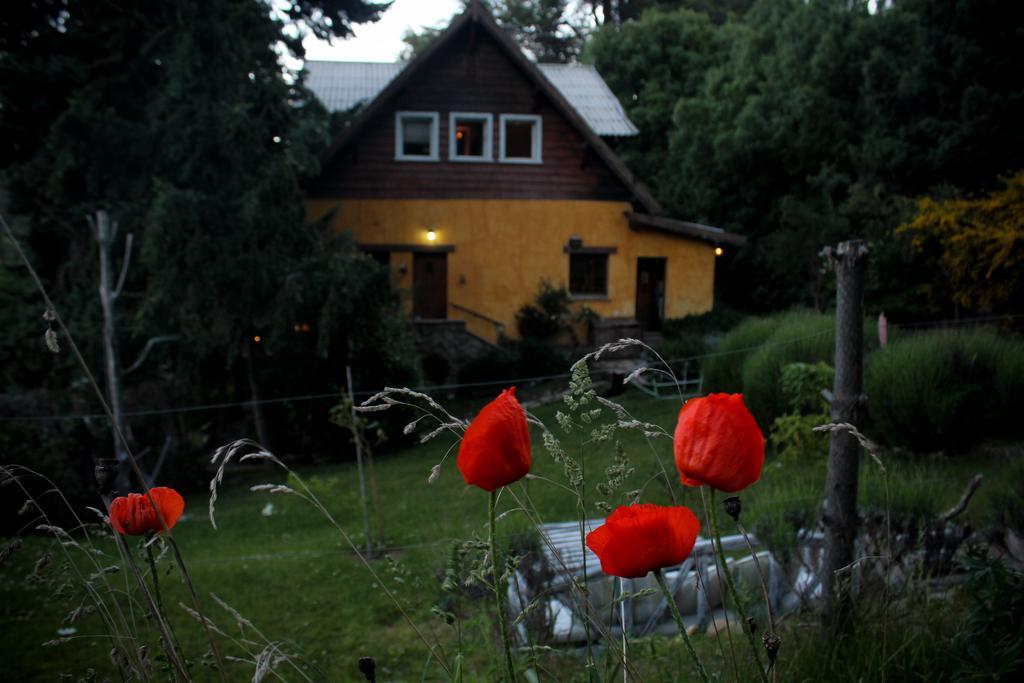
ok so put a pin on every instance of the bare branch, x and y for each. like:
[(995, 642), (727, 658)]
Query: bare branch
[(964, 499), (153, 341), (124, 264)]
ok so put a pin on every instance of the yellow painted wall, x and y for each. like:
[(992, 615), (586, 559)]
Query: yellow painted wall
[(504, 247)]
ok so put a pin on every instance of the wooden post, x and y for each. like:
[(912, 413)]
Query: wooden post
[(850, 259), (358, 438)]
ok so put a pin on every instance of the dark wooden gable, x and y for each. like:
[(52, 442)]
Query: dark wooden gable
[(470, 71)]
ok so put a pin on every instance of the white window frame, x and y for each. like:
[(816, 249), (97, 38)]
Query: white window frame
[(435, 126), (538, 138), (488, 120)]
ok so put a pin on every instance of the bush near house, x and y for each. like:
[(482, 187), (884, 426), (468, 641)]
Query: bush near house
[(719, 320), (723, 371), (799, 336), (946, 389), (792, 436), (751, 357)]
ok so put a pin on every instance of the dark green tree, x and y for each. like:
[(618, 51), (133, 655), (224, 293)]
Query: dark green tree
[(548, 29), (800, 123), (650, 64), (179, 119), (618, 12), (545, 28)]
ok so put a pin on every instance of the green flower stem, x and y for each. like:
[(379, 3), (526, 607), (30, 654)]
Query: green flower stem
[(744, 622), (499, 596), (156, 581), (682, 627), (159, 599)]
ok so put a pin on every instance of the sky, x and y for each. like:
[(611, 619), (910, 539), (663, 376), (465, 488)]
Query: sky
[(382, 41)]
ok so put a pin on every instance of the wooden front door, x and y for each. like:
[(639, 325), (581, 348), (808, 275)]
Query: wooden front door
[(650, 293), (430, 285)]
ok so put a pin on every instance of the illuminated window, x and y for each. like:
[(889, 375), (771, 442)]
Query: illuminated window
[(416, 134), (588, 274), (469, 137), (521, 137)]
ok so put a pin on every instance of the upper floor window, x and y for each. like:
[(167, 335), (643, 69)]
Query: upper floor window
[(520, 138), (469, 137), (416, 135)]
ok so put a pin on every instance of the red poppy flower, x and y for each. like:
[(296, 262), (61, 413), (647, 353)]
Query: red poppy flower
[(495, 449), (718, 443), (133, 515), (641, 538)]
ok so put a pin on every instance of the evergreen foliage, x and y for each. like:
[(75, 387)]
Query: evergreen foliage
[(800, 124), (180, 120)]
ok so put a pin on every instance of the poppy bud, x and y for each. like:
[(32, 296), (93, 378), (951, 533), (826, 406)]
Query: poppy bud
[(718, 443), (495, 449), (105, 473), (641, 538), (771, 643), (752, 624), (368, 668), (733, 507)]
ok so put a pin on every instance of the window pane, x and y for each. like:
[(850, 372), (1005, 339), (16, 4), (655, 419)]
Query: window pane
[(588, 273), (519, 139), (416, 134), (469, 138)]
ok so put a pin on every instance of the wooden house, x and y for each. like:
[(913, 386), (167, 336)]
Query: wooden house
[(475, 173)]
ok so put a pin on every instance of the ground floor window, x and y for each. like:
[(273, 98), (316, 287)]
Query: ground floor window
[(381, 257), (588, 274)]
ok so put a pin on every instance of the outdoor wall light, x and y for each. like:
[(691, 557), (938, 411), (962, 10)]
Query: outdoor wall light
[(431, 235), (718, 251)]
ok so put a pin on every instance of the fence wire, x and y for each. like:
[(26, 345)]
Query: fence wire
[(463, 385)]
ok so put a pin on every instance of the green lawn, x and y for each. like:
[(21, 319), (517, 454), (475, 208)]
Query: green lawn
[(290, 574)]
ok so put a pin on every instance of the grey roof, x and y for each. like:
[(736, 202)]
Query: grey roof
[(591, 97), (343, 85)]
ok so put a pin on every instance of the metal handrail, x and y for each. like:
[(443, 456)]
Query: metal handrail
[(497, 323)]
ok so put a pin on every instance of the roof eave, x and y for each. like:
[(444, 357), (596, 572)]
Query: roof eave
[(705, 233)]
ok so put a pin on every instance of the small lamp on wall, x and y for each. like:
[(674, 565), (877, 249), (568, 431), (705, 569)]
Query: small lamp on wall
[(431, 235), (718, 251), (575, 242)]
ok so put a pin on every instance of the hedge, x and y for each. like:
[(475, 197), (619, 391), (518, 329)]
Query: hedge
[(946, 390)]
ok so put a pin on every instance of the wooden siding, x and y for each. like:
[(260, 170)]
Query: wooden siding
[(469, 74)]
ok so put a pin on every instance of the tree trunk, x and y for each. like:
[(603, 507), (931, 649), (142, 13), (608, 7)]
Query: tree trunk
[(844, 455), (254, 395), (105, 235)]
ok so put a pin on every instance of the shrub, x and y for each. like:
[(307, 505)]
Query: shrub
[(719, 319), (681, 347), (946, 390), (723, 371), (792, 436), (795, 442), (527, 358), (798, 336), (802, 384), (992, 637), (544, 319)]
